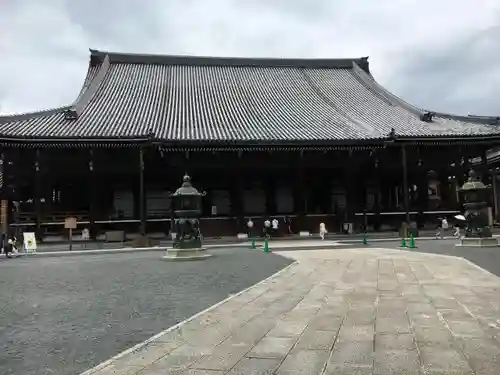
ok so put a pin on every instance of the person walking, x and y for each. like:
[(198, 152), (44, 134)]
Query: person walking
[(322, 230), (10, 246), (442, 228)]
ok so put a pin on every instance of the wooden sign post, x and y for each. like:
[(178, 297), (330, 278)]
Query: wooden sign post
[(70, 223)]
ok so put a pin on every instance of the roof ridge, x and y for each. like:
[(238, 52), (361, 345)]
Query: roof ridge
[(86, 96), (490, 120), (137, 58)]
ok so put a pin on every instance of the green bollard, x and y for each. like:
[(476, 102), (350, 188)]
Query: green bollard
[(252, 244), (412, 242), (403, 242), (266, 245), (365, 239)]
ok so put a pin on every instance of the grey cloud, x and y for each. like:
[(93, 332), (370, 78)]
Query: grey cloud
[(46, 43), (463, 77)]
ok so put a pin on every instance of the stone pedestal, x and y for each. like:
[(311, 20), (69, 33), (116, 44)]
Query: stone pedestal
[(478, 242), (174, 254)]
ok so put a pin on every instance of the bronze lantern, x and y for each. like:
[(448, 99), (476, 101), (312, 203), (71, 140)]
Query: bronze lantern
[(186, 204)]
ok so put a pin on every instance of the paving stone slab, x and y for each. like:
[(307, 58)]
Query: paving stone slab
[(304, 362), (388, 341), (396, 362), (255, 366), (312, 339), (272, 347), (349, 312), (446, 360)]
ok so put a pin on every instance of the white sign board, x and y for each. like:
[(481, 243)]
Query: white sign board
[(70, 223), (29, 240)]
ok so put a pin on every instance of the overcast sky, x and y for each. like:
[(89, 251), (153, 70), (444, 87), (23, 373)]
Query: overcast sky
[(438, 54)]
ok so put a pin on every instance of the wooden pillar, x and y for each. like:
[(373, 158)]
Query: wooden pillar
[(364, 201), (485, 175), (299, 196), (326, 193), (422, 191), (206, 202), (236, 197), (377, 197), (38, 196), (4, 202), (495, 195), (92, 196), (142, 195), (351, 188), (466, 166), (361, 192), (459, 172), (406, 193)]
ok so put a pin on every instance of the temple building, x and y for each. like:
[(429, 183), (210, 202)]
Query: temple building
[(313, 140)]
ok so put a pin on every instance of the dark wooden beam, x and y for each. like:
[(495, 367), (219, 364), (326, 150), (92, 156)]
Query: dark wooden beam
[(142, 194), (406, 195), (92, 194), (37, 196)]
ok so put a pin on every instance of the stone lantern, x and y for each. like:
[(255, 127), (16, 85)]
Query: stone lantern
[(186, 204), (475, 197)]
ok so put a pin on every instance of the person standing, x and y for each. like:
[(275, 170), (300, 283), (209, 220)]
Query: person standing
[(250, 227), (288, 223), (267, 227), (275, 223)]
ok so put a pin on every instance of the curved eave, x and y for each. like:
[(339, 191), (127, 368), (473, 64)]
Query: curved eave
[(29, 115), (381, 91), (92, 71), (377, 89)]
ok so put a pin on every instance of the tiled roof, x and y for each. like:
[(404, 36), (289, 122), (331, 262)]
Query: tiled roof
[(177, 98)]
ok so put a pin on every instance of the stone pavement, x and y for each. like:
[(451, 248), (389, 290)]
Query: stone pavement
[(356, 312)]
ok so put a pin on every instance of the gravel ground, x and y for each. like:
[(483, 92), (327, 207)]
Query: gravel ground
[(61, 316), (487, 258)]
